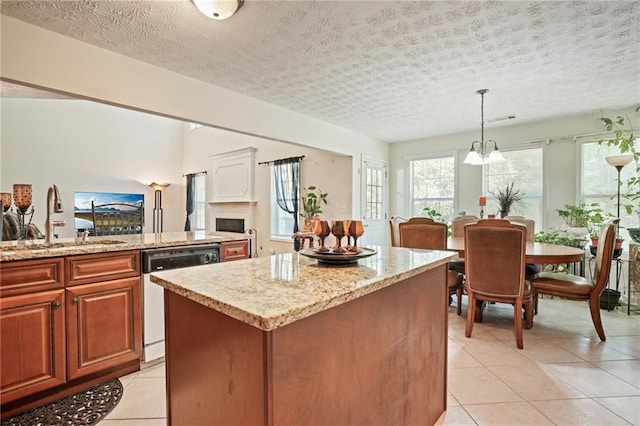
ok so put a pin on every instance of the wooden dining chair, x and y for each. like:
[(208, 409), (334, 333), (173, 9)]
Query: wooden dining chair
[(425, 233), (495, 252), (395, 232), (457, 225), (530, 224), (457, 231), (575, 287)]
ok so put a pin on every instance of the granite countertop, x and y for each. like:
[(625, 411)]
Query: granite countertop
[(34, 249), (270, 292)]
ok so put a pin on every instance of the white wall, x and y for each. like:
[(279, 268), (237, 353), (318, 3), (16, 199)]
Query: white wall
[(86, 146), (330, 172), (560, 156), (42, 58)]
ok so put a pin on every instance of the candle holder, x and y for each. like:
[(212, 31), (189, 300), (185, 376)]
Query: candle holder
[(482, 201), (322, 230), (22, 198), (338, 230), (356, 230), (6, 198)]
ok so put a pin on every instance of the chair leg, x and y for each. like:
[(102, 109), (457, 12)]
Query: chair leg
[(594, 306), (459, 296), (517, 318), (535, 303), (471, 312), (528, 314)]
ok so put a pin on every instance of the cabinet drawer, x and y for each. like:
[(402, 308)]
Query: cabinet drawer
[(234, 250), (25, 276), (87, 268)]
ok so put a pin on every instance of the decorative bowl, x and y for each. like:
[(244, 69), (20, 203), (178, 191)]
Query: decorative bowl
[(634, 233)]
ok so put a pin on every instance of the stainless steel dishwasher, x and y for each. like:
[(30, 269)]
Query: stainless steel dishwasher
[(154, 260)]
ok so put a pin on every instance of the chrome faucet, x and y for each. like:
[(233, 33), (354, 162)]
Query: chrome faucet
[(54, 202)]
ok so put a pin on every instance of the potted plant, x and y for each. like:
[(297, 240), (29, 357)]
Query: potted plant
[(585, 217), (312, 200), (624, 139), (508, 198), (436, 216)]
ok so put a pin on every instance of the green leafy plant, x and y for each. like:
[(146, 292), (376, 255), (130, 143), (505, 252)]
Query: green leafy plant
[(508, 198), (583, 216), (434, 214), (312, 200), (554, 238), (624, 139)]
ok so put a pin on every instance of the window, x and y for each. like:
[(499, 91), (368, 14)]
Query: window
[(599, 180), (281, 221), (433, 185), (374, 191), (198, 218), (523, 167)]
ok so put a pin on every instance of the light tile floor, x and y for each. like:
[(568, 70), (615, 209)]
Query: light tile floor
[(564, 375)]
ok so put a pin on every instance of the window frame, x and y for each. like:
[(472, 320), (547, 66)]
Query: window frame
[(626, 220), (541, 220), (432, 156)]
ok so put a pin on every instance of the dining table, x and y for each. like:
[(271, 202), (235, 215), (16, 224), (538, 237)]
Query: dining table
[(536, 253)]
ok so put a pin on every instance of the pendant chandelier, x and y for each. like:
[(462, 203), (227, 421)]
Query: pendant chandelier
[(483, 152)]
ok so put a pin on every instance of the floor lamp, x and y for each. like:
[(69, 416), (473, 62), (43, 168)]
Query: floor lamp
[(157, 208), (619, 161)]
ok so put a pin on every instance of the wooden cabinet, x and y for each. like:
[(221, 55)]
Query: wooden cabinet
[(32, 335), (103, 325), (91, 268), (67, 323), (28, 276), (234, 250)]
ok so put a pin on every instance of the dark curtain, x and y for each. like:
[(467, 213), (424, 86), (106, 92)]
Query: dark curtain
[(286, 174), (191, 202)]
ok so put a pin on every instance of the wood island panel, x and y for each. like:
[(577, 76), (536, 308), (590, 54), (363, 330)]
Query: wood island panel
[(377, 359)]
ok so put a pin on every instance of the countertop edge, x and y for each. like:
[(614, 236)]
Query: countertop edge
[(130, 242), (297, 313)]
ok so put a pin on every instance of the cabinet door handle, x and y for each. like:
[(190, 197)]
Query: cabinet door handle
[(76, 299), (55, 304)]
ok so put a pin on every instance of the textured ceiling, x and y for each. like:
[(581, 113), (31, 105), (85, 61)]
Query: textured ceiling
[(392, 70)]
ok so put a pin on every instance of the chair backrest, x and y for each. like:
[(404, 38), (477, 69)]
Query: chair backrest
[(457, 225), (424, 233), (530, 224), (495, 257), (395, 232), (604, 255)]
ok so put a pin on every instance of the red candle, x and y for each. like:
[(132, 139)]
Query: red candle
[(482, 201)]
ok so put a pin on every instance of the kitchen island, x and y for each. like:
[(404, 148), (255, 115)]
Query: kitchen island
[(284, 340)]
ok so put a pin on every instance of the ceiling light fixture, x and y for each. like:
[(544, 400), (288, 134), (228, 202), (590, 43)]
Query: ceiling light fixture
[(218, 9), (479, 153)]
